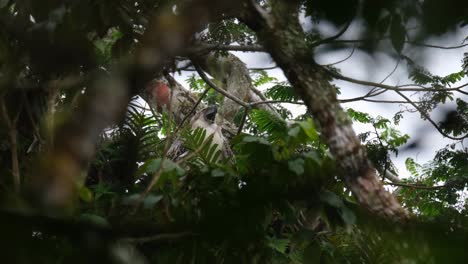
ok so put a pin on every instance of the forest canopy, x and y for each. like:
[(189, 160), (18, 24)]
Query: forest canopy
[(108, 156)]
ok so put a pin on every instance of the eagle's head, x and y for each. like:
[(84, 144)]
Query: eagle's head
[(205, 117), (209, 113)]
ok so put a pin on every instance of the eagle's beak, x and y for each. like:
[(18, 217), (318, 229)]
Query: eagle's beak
[(210, 113)]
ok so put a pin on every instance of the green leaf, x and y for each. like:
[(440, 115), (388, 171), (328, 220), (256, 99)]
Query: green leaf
[(309, 129), (197, 141), (296, 166), (312, 253), (95, 219), (152, 165), (412, 166), (265, 121), (217, 173), (85, 194), (4, 3), (359, 116), (381, 122), (347, 215), (151, 200), (331, 199), (282, 92), (132, 199), (280, 245), (249, 139), (261, 77), (294, 132)]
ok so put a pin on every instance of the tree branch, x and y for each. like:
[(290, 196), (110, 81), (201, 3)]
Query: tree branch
[(157, 238), (417, 186), (423, 113), (332, 38), (343, 60), (406, 41), (12, 132), (390, 87), (284, 38), (201, 47), (219, 90)]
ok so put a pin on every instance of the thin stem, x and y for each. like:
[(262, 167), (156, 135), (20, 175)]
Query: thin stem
[(423, 113), (416, 186), (244, 117), (194, 108), (343, 60), (332, 38), (159, 237), (219, 90), (11, 124), (390, 87)]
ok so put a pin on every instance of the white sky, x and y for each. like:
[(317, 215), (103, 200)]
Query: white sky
[(362, 66)]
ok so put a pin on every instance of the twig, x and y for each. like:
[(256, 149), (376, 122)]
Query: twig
[(244, 117), (31, 118), (436, 46), (343, 60), (330, 39), (423, 113), (159, 237), (194, 108), (264, 68), (275, 102), (11, 124), (407, 42), (390, 87), (207, 47), (415, 186)]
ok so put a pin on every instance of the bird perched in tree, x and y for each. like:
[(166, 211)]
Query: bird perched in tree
[(205, 119)]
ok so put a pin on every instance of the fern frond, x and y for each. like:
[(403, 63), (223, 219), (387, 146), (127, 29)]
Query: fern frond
[(282, 92), (270, 124), (261, 77), (140, 130), (412, 167), (202, 146)]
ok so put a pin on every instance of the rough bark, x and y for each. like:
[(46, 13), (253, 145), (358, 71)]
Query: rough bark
[(283, 37)]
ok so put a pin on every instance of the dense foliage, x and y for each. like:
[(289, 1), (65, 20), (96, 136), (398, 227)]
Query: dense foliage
[(120, 197)]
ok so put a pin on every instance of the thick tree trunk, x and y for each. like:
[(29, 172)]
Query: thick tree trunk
[(283, 37)]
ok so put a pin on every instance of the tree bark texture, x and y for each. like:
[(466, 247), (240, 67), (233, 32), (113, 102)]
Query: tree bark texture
[(282, 36)]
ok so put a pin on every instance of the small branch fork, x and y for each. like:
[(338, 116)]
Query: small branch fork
[(418, 186), (13, 133), (399, 90)]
